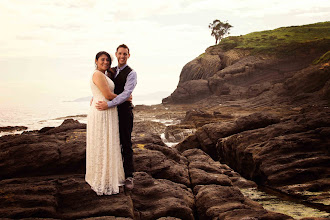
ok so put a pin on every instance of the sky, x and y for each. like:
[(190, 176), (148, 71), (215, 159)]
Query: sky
[(48, 47)]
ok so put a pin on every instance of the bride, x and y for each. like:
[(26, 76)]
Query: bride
[(104, 165)]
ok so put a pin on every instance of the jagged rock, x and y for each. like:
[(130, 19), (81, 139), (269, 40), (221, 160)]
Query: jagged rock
[(161, 162), (209, 134), (199, 118), (226, 202), (49, 153), (148, 127), (190, 142), (147, 132), (200, 68), (190, 91), (191, 115), (214, 191), (161, 198), (285, 154), (145, 138), (238, 75), (203, 170), (53, 186), (316, 77), (68, 124), (290, 155)]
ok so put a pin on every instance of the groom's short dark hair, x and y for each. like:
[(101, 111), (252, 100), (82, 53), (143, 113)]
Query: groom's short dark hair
[(123, 46)]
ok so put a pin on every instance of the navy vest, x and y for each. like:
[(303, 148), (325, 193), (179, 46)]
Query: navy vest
[(120, 81)]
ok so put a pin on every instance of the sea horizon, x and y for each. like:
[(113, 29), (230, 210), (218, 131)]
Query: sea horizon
[(52, 114)]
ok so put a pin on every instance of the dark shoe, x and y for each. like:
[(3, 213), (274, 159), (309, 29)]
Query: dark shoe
[(129, 183)]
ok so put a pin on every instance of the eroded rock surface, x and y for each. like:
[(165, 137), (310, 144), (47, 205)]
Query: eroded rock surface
[(47, 181), (289, 154), (237, 74)]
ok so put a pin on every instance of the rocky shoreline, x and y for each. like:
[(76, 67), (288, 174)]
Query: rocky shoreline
[(42, 172), (250, 121)]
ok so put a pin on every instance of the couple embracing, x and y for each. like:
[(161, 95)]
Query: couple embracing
[(109, 154)]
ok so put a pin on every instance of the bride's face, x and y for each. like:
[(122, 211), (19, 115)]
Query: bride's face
[(103, 63)]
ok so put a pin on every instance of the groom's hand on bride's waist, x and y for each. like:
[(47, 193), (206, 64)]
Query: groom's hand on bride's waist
[(101, 105)]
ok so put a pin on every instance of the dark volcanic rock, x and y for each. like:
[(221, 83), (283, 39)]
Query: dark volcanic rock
[(68, 124), (199, 118), (281, 153), (308, 81), (203, 170), (200, 68), (42, 175), (225, 202), (237, 74), (148, 127), (190, 91), (291, 156), (161, 198), (191, 115), (161, 162), (57, 151), (147, 132), (216, 197), (59, 197), (12, 128), (190, 142), (209, 134), (145, 138)]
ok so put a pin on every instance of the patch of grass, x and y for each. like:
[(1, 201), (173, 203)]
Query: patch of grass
[(324, 58), (202, 55), (285, 40)]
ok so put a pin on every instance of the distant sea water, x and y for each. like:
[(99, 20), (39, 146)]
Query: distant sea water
[(38, 116)]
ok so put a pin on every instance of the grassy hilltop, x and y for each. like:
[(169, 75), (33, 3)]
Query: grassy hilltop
[(282, 41)]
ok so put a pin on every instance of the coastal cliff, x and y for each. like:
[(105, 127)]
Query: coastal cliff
[(289, 64)]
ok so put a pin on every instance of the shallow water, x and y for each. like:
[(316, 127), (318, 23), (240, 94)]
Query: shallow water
[(169, 144), (43, 115), (277, 204)]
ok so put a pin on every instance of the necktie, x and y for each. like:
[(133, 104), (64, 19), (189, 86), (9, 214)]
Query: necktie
[(118, 71)]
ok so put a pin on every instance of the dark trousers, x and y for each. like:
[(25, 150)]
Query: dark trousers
[(125, 114)]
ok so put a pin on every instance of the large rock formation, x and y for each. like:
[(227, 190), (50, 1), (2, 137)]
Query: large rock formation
[(289, 154), (235, 74), (42, 176)]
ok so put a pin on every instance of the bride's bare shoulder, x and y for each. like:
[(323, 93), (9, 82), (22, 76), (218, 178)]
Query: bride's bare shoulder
[(97, 73)]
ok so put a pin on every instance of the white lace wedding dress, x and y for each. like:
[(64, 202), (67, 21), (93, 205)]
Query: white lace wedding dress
[(104, 166)]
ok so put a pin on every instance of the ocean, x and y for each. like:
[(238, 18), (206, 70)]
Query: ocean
[(38, 116)]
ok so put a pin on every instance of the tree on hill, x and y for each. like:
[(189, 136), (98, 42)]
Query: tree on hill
[(219, 29)]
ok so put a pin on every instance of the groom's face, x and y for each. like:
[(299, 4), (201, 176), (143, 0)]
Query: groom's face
[(122, 56)]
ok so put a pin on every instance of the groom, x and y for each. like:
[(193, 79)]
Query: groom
[(125, 80)]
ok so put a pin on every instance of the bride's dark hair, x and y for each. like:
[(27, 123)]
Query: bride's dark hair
[(101, 53)]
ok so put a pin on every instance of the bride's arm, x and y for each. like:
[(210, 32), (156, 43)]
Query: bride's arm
[(101, 83)]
